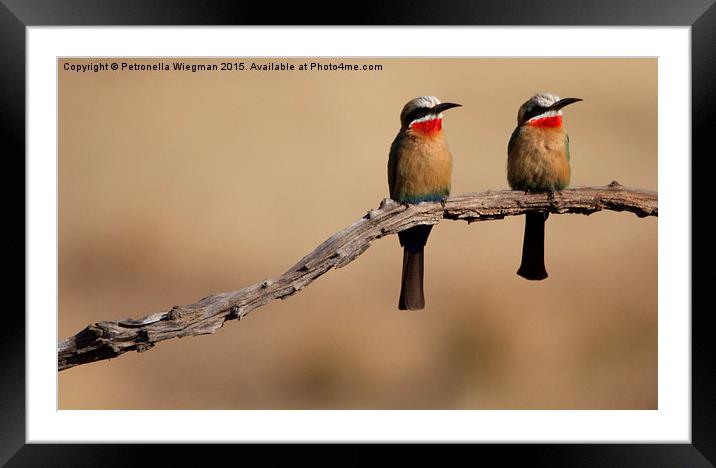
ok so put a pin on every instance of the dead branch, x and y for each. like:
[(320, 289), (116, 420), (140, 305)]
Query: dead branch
[(108, 339)]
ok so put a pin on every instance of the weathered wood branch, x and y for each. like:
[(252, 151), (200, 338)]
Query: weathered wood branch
[(108, 339)]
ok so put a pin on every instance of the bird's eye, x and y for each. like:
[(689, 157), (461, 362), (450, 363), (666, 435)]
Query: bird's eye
[(416, 114)]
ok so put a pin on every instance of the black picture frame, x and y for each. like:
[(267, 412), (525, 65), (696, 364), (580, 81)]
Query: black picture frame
[(16, 15)]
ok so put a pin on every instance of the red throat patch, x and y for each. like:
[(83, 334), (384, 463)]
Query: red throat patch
[(428, 127), (554, 121)]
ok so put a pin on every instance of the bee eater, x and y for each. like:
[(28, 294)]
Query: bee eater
[(419, 170), (538, 161)]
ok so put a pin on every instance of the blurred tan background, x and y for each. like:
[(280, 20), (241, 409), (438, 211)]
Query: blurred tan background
[(174, 185)]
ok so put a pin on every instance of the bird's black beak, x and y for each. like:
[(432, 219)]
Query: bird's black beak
[(564, 102), (443, 107)]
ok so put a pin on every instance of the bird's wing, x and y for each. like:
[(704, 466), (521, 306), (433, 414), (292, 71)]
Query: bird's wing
[(392, 163), (513, 139), (566, 144)]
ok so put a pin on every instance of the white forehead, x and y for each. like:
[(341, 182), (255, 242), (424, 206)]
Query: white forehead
[(419, 102), (544, 99)]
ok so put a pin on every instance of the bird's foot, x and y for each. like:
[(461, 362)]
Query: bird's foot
[(442, 202)]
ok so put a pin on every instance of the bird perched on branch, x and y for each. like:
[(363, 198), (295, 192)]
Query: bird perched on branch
[(419, 170), (538, 161)]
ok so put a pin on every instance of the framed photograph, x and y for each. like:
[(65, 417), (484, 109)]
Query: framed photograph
[(289, 201)]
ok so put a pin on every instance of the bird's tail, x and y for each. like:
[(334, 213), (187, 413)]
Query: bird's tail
[(532, 267), (411, 287)]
